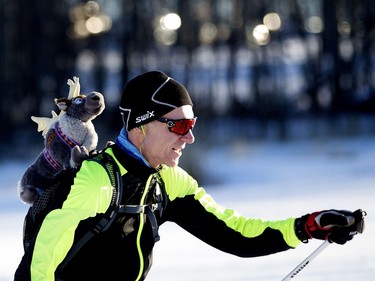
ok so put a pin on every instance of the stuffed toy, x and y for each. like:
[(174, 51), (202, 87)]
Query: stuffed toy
[(69, 137)]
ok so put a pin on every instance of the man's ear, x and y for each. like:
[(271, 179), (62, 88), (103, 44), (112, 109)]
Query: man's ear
[(137, 135), (137, 131)]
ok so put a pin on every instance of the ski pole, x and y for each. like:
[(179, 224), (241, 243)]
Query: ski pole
[(306, 261)]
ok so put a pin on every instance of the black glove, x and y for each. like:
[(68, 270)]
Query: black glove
[(336, 226)]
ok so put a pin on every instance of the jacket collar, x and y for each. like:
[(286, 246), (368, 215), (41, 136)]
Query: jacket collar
[(132, 164)]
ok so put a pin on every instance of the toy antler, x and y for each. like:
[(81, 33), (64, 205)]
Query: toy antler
[(75, 88), (45, 123)]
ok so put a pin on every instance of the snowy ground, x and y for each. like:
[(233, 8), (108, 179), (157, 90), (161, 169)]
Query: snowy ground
[(267, 180)]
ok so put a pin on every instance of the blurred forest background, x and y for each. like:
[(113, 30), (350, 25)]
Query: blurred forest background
[(256, 70)]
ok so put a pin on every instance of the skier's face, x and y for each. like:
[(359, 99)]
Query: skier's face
[(160, 145)]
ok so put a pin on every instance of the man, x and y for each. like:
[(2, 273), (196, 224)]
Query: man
[(158, 120)]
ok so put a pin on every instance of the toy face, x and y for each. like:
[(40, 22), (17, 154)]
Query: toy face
[(83, 107), (78, 100)]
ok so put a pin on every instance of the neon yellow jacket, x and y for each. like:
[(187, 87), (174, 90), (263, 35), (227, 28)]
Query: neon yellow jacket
[(126, 248)]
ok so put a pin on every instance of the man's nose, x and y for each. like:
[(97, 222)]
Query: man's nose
[(188, 137)]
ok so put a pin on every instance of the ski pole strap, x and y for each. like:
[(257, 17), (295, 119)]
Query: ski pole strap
[(306, 261)]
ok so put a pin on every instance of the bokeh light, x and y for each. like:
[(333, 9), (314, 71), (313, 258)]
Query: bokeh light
[(272, 21), (170, 21), (314, 24), (261, 34), (87, 19)]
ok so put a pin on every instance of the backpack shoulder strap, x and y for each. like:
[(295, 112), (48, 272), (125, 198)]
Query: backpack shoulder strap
[(107, 219), (114, 175)]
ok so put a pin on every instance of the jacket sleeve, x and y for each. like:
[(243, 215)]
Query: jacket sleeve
[(90, 194), (225, 229)]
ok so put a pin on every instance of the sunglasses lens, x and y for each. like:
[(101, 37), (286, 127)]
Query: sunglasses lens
[(183, 126)]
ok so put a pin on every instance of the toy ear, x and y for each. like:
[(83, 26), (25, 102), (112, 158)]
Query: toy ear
[(63, 103)]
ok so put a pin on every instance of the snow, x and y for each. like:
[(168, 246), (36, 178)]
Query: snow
[(270, 180)]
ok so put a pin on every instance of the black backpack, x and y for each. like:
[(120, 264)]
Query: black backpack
[(54, 197)]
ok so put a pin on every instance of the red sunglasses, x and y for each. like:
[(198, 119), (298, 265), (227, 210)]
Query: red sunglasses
[(180, 126)]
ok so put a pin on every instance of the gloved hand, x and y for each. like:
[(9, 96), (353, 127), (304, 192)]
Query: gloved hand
[(338, 226)]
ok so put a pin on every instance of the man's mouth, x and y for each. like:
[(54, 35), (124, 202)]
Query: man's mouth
[(178, 150)]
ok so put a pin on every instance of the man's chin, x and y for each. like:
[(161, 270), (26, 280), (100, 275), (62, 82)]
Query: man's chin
[(175, 162)]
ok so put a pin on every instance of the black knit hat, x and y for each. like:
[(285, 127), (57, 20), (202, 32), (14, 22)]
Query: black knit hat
[(149, 96)]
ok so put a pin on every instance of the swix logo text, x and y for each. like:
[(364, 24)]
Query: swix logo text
[(144, 117)]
